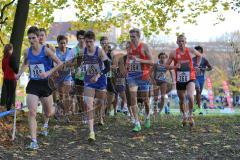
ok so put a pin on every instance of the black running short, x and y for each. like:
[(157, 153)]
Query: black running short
[(79, 82), (183, 85), (39, 88)]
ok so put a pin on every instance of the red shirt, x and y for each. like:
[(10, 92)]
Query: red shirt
[(7, 70), (145, 67), (185, 57)]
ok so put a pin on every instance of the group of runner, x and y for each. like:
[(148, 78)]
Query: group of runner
[(101, 76)]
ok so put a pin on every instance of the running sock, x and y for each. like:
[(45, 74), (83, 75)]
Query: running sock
[(165, 101), (137, 123), (148, 116), (45, 125), (34, 140)]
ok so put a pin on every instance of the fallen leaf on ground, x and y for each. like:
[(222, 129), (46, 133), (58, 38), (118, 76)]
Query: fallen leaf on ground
[(206, 143), (141, 138), (108, 150), (172, 136), (227, 146)]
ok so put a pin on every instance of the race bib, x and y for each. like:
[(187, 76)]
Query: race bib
[(92, 69), (35, 70), (199, 72), (120, 81), (183, 76), (135, 66), (160, 76)]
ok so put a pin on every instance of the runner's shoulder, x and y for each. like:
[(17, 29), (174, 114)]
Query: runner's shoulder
[(51, 47), (172, 54)]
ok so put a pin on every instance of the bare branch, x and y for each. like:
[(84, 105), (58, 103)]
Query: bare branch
[(2, 12), (1, 41)]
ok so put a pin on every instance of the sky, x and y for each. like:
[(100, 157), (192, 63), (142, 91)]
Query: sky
[(203, 32)]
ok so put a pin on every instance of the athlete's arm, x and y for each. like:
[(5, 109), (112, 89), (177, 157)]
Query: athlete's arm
[(24, 64), (70, 58), (195, 52), (105, 60), (51, 47), (170, 60), (122, 66), (58, 62), (153, 74), (209, 67)]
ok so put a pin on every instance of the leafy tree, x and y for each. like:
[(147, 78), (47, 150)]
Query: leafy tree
[(151, 16), (40, 14)]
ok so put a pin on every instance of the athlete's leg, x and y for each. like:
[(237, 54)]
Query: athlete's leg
[(156, 89), (133, 104), (100, 99), (124, 102), (163, 88), (110, 99), (49, 110), (198, 93), (89, 94), (181, 96), (32, 103), (69, 99), (190, 95)]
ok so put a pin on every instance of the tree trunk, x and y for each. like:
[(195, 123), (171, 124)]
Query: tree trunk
[(18, 29)]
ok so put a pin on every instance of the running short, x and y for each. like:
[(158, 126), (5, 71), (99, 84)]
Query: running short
[(120, 88), (39, 88), (101, 84), (183, 85), (199, 83), (79, 82), (143, 85), (159, 83)]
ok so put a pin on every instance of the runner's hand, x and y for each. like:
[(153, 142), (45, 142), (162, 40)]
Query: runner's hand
[(94, 79), (137, 59), (178, 66), (18, 76), (44, 75)]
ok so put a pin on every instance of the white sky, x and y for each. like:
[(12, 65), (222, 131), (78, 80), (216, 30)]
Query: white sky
[(204, 31)]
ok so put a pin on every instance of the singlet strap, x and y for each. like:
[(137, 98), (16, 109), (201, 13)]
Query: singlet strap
[(85, 51), (96, 52)]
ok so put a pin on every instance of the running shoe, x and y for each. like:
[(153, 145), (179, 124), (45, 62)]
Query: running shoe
[(125, 110), (137, 128), (119, 110), (44, 131), (191, 121), (33, 145), (91, 136), (184, 121), (147, 123), (200, 111), (133, 120)]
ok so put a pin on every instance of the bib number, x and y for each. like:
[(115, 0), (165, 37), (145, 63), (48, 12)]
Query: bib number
[(92, 69), (135, 66), (160, 76), (198, 72), (183, 76), (35, 70)]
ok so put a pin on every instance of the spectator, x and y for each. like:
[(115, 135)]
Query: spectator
[(9, 77)]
